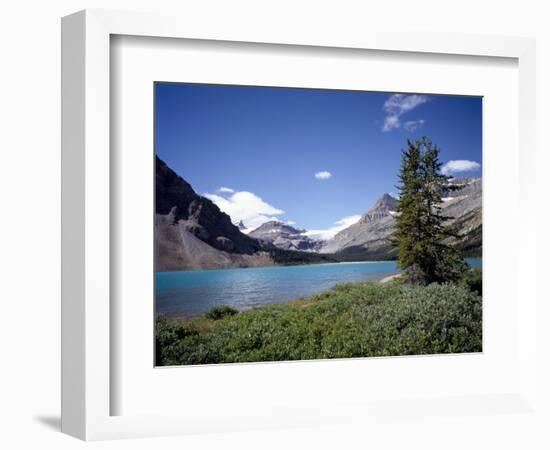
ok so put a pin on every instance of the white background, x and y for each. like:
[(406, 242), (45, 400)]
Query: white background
[(30, 187)]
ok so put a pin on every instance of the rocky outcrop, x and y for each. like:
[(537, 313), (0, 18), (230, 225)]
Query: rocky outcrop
[(285, 237)]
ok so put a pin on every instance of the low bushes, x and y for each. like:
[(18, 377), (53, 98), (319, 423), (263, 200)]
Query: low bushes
[(219, 312), (472, 278), (350, 320)]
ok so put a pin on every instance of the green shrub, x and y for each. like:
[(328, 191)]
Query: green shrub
[(474, 280), (219, 312), (168, 333), (350, 320)]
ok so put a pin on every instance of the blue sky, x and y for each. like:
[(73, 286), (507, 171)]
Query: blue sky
[(314, 158)]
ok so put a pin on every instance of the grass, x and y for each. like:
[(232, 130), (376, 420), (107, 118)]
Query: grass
[(350, 320)]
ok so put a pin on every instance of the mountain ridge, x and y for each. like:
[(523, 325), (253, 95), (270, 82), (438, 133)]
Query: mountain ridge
[(191, 232), (197, 215)]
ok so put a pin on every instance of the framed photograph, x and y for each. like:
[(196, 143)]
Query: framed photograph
[(267, 228), (238, 278)]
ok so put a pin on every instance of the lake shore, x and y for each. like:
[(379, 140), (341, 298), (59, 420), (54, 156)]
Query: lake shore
[(269, 266), (348, 320), (384, 280), (390, 278), (190, 293)]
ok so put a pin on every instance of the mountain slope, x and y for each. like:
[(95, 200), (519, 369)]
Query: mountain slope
[(465, 207), (368, 239), (198, 215), (179, 249)]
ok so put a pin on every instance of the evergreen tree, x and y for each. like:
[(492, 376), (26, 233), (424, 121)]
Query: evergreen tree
[(421, 228)]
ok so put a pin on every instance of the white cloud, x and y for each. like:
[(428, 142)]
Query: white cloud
[(339, 225), (391, 122), (290, 222), (459, 165), (413, 125), (323, 175), (347, 221), (402, 103), (226, 190), (397, 105), (246, 206)]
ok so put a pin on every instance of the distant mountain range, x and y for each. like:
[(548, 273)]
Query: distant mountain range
[(285, 237), (192, 233)]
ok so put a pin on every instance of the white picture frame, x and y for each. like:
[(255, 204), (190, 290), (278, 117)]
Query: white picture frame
[(86, 246)]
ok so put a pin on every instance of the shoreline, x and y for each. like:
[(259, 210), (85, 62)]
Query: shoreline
[(280, 266), (179, 317), (382, 278), (389, 278), (272, 266)]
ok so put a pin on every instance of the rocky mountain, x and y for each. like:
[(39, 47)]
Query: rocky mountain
[(198, 215), (285, 237), (383, 207), (463, 186), (464, 205), (368, 239), (191, 232), (241, 226)]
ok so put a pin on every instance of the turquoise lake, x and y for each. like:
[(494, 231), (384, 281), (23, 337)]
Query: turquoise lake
[(187, 294)]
